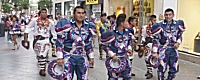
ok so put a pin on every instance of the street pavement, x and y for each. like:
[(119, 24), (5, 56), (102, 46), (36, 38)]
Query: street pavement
[(22, 65)]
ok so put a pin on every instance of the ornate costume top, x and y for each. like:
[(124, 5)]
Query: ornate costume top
[(167, 34), (72, 37), (15, 26), (102, 26), (42, 27), (119, 42)]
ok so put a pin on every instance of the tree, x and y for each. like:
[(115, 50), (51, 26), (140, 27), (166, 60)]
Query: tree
[(43, 4), (21, 4), (6, 7)]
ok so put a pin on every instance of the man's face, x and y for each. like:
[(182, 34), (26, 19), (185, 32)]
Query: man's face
[(134, 22), (125, 24), (169, 16), (112, 19), (43, 14), (50, 17), (153, 21), (79, 15), (103, 18), (59, 16)]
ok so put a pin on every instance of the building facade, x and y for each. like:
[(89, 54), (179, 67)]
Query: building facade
[(65, 7)]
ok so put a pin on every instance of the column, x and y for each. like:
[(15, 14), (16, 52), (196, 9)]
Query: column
[(63, 7), (53, 9), (106, 6), (1, 10), (158, 7)]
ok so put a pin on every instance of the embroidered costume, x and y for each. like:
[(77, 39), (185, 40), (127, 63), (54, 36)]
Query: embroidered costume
[(15, 28), (119, 42), (41, 44), (73, 45), (165, 37), (147, 43)]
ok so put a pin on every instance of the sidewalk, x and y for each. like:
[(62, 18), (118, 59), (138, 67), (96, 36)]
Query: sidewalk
[(22, 65)]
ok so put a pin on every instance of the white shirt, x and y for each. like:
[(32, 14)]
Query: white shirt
[(144, 33), (41, 31)]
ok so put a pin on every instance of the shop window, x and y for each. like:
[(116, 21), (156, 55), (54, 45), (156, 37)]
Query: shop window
[(148, 9), (57, 8)]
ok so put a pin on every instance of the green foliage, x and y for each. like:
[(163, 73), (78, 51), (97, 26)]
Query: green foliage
[(5, 6), (18, 5), (45, 4), (21, 4)]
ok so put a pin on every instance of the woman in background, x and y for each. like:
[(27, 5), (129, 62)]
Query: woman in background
[(8, 20), (15, 31)]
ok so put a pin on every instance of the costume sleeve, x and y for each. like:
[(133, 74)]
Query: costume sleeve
[(61, 31), (108, 38), (143, 33), (155, 31), (89, 47), (181, 27), (53, 32), (30, 26)]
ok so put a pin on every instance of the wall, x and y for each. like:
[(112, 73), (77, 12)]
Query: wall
[(158, 7), (188, 10), (171, 4), (105, 6)]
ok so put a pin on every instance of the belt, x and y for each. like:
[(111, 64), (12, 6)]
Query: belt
[(39, 37), (71, 47)]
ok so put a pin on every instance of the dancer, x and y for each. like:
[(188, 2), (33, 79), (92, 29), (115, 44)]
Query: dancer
[(147, 43), (74, 44), (15, 31), (119, 47), (167, 38), (42, 29), (102, 26)]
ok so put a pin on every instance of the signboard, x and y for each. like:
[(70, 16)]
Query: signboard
[(91, 2)]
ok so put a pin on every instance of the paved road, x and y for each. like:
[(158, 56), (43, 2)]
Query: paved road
[(22, 65)]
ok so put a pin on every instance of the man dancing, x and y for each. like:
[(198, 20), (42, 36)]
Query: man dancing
[(167, 38), (42, 29), (74, 44), (102, 26), (147, 43), (119, 47)]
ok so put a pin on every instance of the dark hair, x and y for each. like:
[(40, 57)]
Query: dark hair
[(50, 16), (103, 14), (108, 17), (79, 7), (8, 18), (41, 11), (58, 13), (169, 10), (14, 16), (121, 18), (131, 18), (113, 16), (152, 16)]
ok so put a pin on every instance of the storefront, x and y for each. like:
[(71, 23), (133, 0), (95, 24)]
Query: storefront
[(132, 8), (61, 6), (58, 8), (148, 9), (189, 12), (96, 7)]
